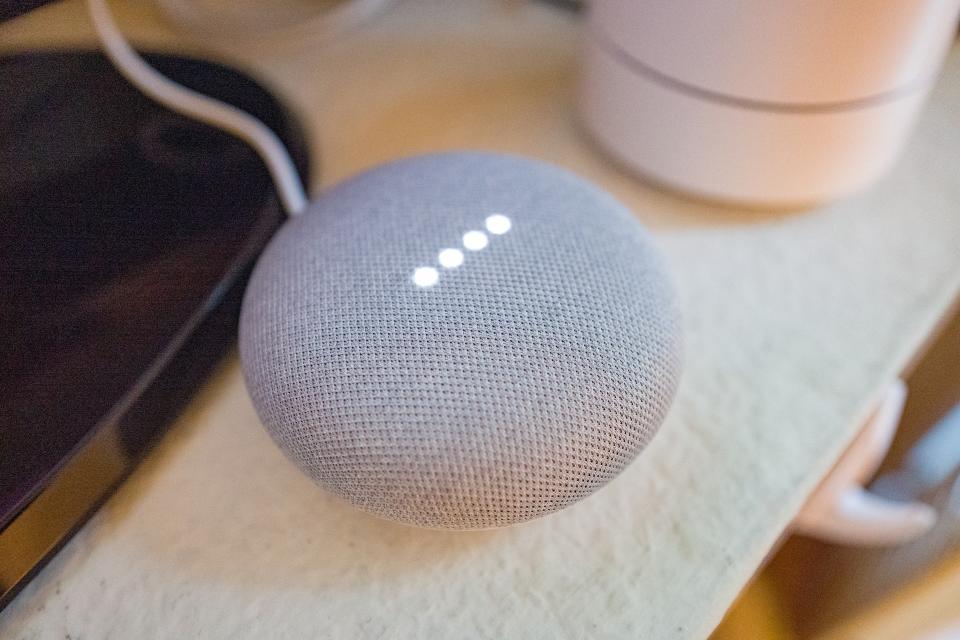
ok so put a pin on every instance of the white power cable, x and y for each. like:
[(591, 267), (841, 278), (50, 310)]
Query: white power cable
[(200, 107)]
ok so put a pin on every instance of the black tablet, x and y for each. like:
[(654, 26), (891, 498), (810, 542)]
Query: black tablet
[(126, 235)]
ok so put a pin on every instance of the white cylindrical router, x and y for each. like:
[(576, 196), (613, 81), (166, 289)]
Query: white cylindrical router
[(767, 102)]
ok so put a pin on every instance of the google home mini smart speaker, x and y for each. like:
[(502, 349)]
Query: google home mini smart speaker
[(461, 340), (771, 102)]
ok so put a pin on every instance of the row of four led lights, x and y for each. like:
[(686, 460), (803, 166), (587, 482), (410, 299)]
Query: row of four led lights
[(496, 224)]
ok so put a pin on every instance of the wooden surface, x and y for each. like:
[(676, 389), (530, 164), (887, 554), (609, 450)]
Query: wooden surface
[(794, 321)]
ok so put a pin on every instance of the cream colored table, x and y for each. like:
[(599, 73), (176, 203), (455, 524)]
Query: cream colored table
[(793, 321)]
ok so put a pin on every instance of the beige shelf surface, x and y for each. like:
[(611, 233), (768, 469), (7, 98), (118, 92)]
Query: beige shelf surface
[(793, 323)]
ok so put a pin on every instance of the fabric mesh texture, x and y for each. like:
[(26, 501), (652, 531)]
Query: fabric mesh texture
[(521, 382)]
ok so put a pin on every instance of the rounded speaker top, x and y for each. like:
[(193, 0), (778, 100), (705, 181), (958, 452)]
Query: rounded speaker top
[(461, 340)]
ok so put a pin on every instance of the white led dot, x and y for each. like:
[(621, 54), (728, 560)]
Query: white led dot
[(474, 240), (450, 258), (425, 276), (498, 224)]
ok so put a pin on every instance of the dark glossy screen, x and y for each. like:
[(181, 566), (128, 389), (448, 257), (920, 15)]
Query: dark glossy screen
[(118, 219)]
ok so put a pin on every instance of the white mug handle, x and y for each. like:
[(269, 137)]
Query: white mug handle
[(840, 510)]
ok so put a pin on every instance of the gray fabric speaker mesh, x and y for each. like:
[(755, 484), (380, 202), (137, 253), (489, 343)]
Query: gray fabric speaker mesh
[(519, 383)]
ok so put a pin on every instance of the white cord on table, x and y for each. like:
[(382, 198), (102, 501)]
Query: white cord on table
[(200, 107)]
